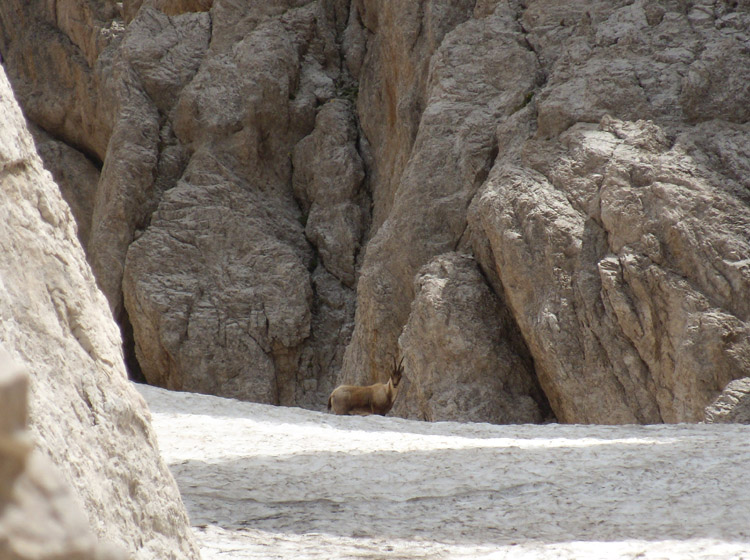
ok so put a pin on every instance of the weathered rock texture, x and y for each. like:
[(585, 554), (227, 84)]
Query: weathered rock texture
[(84, 415), (619, 244), (39, 517), (456, 320), (268, 167), (733, 405), (480, 73), (224, 289)]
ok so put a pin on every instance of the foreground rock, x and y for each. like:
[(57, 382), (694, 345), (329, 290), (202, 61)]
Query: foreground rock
[(31, 489), (84, 415)]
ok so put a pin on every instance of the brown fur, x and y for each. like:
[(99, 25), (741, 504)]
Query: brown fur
[(373, 399)]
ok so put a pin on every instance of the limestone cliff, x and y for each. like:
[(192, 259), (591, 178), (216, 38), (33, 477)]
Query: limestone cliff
[(84, 416), (548, 199)]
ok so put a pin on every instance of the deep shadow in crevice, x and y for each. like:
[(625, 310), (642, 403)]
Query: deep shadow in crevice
[(135, 373)]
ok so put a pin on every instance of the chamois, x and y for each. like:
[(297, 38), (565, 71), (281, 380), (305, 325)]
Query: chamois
[(373, 399)]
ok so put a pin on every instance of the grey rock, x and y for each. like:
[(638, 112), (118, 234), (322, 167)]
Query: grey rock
[(632, 260), (459, 363), (216, 285), (732, 405), (328, 176), (55, 55), (158, 56), (481, 73), (219, 286)]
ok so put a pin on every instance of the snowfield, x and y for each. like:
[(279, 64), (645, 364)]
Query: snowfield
[(270, 482)]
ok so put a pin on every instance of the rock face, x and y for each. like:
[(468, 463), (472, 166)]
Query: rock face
[(633, 303), (460, 363), (632, 258), (618, 244), (228, 281), (268, 168), (733, 405), (480, 73), (84, 415)]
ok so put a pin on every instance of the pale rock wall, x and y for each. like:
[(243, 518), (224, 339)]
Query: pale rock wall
[(732, 405), (85, 417)]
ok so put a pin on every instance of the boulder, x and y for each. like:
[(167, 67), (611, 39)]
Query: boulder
[(157, 56), (459, 362), (732, 405), (633, 282), (617, 240)]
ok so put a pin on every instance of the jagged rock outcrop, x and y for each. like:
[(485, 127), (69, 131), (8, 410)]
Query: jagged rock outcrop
[(156, 57), (266, 167), (84, 415), (460, 363), (639, 281), (732, 405), (637, 270)]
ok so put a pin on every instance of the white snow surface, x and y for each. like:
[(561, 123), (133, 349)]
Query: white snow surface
[(269, 482)]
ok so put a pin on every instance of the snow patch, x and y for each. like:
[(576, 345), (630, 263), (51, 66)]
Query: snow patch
[(271, 482)]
